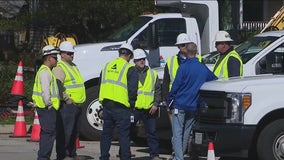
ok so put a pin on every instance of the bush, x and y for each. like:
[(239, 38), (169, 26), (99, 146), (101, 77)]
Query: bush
[(8, 70)]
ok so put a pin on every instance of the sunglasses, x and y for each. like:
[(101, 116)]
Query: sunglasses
[(70, 53), (181, 45), (140, 59), (55, 57), (218, 43)]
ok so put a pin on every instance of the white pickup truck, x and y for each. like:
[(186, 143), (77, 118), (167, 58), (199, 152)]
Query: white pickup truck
[(156, 34), (244, 117)]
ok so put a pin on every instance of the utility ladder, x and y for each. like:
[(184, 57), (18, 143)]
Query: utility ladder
[(276, 22)]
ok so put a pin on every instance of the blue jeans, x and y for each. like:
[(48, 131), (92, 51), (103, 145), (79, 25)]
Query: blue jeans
[(47, 120), (181, 126), (67, 130), (118, 116), (150, 128)]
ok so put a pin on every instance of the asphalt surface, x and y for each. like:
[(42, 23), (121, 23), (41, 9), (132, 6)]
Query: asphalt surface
[(20, 148)]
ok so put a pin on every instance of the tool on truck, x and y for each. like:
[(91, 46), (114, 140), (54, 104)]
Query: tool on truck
[(276, 22)]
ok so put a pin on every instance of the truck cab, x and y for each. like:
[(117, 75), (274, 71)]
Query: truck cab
[(243, 117)]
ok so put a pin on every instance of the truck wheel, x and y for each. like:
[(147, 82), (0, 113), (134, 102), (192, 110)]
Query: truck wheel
[(91, 122), (270, 144)]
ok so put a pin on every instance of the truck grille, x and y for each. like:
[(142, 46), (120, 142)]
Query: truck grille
[(217, 107)]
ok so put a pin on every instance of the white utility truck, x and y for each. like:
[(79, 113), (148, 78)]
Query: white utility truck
[(156, 34), (243, 117)]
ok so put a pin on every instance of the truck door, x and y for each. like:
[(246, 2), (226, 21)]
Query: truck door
[(272, 63), (159, 39)]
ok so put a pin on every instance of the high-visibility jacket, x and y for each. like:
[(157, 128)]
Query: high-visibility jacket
[(73, 82), (114, 82), (173, 65), (145, 94), (221, 71), (37, 90)]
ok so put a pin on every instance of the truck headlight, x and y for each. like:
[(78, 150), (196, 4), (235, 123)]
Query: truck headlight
[(239, 103)]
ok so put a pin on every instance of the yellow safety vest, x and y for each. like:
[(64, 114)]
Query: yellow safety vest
[(73, 82), (173, 65), (221, 71), (145, 94), (37, 90), (114, 82)]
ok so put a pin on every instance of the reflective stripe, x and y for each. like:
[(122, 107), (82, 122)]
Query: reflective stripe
[(118, 82), (70, 74), (75, 86), (172, 69), (153, 85)]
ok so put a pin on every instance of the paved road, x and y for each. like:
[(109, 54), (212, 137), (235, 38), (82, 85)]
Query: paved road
[(21, 149)]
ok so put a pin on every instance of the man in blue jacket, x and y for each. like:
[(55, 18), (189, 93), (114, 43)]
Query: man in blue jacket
[(190, 76)]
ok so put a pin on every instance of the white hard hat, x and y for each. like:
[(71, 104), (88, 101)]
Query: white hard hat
[(223, 36), (66, 46), (139, 53), (126, 46), (183, 38), (49, 49)]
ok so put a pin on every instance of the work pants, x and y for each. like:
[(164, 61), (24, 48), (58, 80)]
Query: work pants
[(182, 122), (47, 120), (67, 130), (119, 116), (150, 128)]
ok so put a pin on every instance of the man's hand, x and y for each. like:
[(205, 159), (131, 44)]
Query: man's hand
[(69, 101), (153, 109)]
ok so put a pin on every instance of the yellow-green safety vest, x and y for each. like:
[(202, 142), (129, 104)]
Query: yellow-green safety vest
[(145, 94), (73, 82), (173, 65), (37, 90), (114, 82), (221, 71)]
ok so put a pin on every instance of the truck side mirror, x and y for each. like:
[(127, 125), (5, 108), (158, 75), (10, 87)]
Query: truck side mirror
[(152, 36)]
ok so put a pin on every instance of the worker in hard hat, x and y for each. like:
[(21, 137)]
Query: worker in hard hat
[(229, 63), (184, 94), (46, 98), (73, 94), (173, 64), (148, 99), (118, 94)]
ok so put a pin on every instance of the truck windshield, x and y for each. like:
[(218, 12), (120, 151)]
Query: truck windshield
[(129, 29), (253, 46)]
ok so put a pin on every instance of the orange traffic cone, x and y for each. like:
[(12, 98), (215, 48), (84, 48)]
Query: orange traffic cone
[(78, 143), (20, 128), (18, 85), (210, 153), (35, 135)]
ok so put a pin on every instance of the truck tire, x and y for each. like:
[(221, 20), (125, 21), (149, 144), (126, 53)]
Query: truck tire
[(91, 124), (271, 141)]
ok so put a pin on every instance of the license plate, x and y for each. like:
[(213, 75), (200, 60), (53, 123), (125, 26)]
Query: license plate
[(198, 138)]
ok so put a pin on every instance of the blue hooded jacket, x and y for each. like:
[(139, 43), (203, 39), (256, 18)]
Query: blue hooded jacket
[(190, 76)]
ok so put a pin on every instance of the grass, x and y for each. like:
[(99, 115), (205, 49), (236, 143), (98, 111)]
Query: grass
[(29, 119)]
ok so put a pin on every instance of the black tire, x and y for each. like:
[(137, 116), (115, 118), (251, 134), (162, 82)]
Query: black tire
[(270, 141), (90, 129)]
